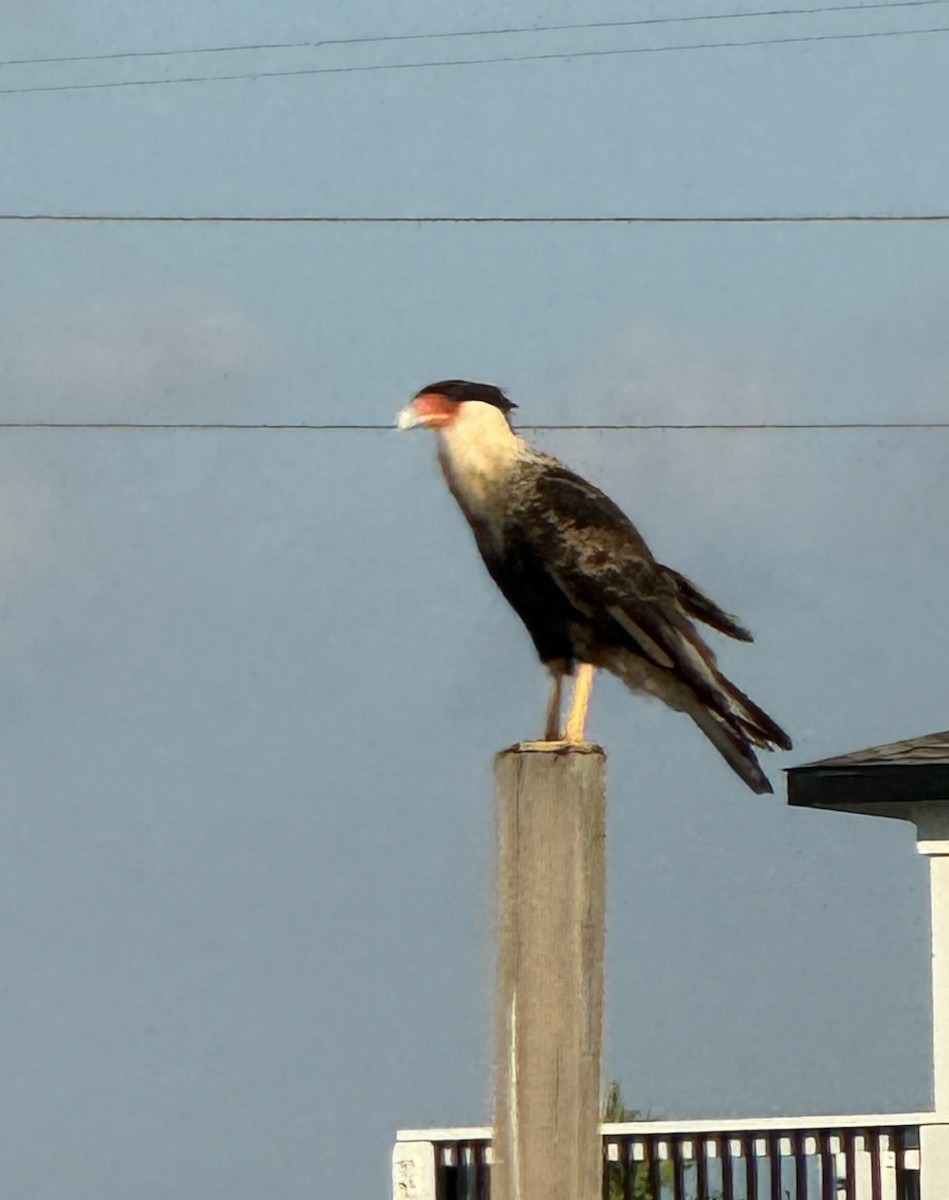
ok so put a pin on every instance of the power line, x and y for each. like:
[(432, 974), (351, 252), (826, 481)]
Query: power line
[(474, 62), (751, 426), (70, 58), (468, 219), (467, 33), (350, 427)]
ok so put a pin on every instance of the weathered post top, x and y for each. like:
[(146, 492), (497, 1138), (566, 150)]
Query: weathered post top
[(908, 780)]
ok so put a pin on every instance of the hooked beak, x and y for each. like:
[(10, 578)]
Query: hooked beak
[(408, 417)]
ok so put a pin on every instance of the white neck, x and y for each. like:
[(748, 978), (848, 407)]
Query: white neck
[(478, 450)]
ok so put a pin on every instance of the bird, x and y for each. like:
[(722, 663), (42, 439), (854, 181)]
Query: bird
[(581, 578)]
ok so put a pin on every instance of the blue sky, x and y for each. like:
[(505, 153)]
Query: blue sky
[(251, 682)]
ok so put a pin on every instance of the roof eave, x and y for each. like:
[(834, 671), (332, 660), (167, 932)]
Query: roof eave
[(882, 789)]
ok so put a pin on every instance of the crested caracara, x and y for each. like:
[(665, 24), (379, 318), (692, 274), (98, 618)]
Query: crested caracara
[(579, 575)]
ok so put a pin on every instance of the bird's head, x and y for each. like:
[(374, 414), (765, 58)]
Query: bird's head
[(440, 404)]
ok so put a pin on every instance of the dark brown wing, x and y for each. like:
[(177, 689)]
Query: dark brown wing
[(701, 607), (602, 565)]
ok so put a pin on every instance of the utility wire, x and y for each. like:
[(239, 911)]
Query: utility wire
[(390, 427), (474, 62), (629, 219), (466, 33)]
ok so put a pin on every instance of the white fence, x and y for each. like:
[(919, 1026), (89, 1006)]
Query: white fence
[(859, 1157)]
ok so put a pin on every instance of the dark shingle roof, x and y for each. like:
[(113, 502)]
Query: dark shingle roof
[(932, 747), (898, 773)]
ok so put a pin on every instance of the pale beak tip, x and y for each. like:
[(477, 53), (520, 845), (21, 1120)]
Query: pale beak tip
[(407, 418)]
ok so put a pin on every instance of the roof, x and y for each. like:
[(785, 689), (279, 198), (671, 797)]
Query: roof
[(931, 747), (877, 778)]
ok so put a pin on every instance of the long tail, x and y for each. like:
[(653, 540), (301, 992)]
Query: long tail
[(673, 663), (733, 745), (760, 728), (730, 721)]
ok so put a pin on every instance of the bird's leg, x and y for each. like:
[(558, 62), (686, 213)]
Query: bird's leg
[(552, 725), (577, 716)]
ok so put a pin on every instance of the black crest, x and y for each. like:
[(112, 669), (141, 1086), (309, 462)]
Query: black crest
[(461, 389)]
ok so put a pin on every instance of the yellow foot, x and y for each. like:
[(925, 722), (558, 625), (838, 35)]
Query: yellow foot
[(556, 747)]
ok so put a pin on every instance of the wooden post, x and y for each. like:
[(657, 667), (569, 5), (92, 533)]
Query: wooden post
[(551, 803)]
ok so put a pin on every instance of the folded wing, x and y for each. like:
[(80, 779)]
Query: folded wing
[(604, 568)]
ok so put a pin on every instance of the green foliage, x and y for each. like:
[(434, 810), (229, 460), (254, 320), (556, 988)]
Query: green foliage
[(626, 1181), (630, 1181), (613, 1108)]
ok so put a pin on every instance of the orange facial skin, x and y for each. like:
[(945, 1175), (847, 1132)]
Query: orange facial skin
[(433, 410)]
